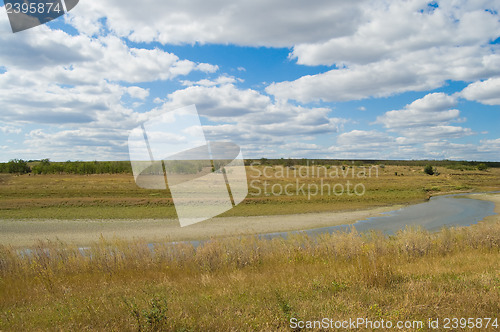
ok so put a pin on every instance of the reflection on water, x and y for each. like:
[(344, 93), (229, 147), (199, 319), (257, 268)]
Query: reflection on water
[(438, 212)]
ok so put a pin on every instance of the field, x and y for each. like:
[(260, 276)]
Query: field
[(116, 196), (247, 284), (79, 208), (121, 283)]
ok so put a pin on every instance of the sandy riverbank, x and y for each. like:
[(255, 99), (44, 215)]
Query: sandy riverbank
[(82, 232), (22, 233)]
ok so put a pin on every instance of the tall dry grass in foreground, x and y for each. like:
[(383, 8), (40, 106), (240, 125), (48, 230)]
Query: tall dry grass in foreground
[(252, 284)]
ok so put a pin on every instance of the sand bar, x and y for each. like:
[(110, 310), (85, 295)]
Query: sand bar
[(22, 233)]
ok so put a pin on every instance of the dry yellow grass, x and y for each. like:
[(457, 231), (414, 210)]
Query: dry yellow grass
[(249, 284)]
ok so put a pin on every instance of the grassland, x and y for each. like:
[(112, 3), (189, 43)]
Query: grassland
[(78, 209), (247, 284), (240, 283), (116, 196)]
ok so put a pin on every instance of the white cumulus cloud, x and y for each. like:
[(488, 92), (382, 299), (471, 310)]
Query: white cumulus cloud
[(486, 92)]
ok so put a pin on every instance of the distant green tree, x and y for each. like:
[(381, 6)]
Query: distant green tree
[(18, 166), (71, 167), (42, 167), (482, 167), (429, 170)]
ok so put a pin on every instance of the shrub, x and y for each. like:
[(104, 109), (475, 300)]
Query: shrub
[(429, 170), (482, 167), (18, 166)]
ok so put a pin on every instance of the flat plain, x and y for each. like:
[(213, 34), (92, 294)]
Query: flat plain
[(245, 283), (78, 209)]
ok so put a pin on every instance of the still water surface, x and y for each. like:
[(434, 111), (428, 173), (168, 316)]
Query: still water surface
[(438, 212)]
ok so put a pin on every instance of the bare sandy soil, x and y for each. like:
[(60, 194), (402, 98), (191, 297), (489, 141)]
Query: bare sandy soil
[(22, 233)]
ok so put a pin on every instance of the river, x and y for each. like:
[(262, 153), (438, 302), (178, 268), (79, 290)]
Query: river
[(433, 215)]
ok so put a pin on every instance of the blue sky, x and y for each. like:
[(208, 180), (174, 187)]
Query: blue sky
[(328, 79)]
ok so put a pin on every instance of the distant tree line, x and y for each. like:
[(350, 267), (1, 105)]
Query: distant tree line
[(45, 166), (18, 166), (184, 166), (454, 164)]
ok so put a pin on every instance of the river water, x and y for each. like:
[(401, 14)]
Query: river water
[(438, 212), (433, 215)]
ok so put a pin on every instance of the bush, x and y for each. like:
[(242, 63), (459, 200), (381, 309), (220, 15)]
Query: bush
[(18, 166), (482, 167), (429, 170)]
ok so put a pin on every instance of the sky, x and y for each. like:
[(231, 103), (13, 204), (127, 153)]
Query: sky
[(333, 79)]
